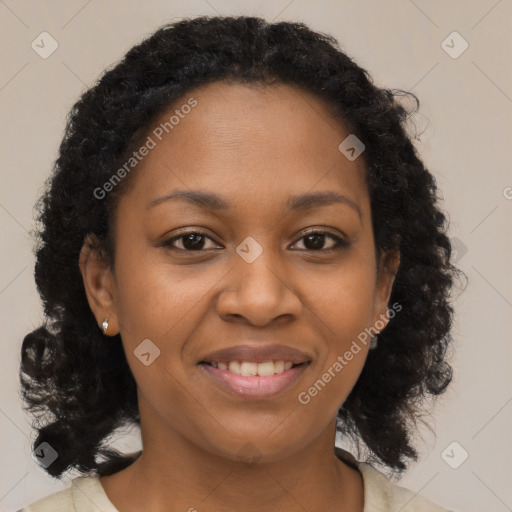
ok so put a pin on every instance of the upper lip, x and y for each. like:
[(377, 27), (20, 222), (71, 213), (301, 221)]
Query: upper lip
[(256, 353)]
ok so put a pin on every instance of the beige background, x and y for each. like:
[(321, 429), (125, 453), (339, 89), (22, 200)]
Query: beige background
[(466, 106)]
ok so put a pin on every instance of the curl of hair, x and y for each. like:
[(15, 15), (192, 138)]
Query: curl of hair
[(81, 385)]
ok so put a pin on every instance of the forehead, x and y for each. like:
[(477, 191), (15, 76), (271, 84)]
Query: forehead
[(282, 117), (251, 141)]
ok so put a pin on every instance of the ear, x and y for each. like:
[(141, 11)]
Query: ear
[(386, 273), (99, 283)]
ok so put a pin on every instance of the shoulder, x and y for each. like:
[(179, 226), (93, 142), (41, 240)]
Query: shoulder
[(381, 494), (85, 494)]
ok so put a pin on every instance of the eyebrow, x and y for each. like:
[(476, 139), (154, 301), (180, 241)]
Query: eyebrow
[(210, 201)]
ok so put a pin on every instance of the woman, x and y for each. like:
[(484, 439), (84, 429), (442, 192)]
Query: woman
[(241, 251)]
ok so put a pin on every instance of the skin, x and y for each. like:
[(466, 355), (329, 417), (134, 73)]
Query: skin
[(255, 146)]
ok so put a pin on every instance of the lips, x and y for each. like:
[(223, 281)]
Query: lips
[(251, 387), (256, 353), (233, 369)]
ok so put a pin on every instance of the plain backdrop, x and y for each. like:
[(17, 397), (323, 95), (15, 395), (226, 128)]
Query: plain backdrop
[(465, 138)]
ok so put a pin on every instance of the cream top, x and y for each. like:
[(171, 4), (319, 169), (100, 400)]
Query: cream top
[(86, 494)]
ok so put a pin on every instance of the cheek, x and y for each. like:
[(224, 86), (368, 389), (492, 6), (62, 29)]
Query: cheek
[(159, 300), (150, 299), (342, 297), (342, 303), (343, 310)]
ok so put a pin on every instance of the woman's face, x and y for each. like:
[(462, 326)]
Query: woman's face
[(250, 276)]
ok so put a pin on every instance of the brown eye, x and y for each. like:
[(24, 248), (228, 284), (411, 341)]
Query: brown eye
[(192, 241), (316, 240)]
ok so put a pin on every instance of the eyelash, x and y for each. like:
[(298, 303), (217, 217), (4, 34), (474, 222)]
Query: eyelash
[(340, 243)]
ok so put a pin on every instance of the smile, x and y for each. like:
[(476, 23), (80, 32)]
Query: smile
[(252, 380)]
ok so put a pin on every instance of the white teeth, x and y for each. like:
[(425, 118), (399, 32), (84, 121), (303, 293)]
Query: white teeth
[(248, 368), (234, 366), (278, 366), (266, 369)]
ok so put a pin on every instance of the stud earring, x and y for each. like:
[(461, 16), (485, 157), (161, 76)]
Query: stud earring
[(104, 326), (373, 341)]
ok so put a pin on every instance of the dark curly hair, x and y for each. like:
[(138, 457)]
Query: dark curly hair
[(78, 388)]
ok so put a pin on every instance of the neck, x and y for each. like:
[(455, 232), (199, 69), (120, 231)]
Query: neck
[(174, 471)]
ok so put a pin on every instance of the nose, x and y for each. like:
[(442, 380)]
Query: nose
[(259, 293)]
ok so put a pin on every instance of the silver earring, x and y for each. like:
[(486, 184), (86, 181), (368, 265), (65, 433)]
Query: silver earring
[(104, 326), (373, 341)]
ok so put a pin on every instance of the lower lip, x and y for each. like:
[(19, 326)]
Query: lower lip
[(254, 387)]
